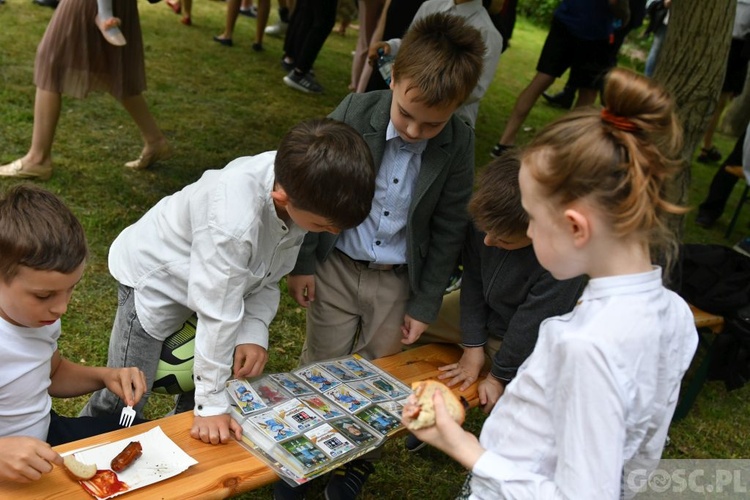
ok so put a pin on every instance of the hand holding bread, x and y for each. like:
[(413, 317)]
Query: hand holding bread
[(420, 409)]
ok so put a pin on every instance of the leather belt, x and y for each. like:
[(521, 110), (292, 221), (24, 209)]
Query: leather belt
[(373, 265)]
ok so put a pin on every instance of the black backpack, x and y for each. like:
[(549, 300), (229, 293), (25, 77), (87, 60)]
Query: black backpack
[(716, 278)]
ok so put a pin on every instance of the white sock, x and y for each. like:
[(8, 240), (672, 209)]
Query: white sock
[(105, 9)]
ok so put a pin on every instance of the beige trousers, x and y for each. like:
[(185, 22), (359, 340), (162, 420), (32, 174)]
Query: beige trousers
[(356, 310)]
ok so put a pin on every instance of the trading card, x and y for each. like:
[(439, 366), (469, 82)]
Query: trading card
[(331, 441), (366, 389), (272, 426), (318, 378), (355, 430), (292, 384), (357, 367), (349, 399), (393, 407), (269, 391), (378, 419), (245, 396), (393, 389), (295, 413), (305, 452), (338, 371), (322, 406)]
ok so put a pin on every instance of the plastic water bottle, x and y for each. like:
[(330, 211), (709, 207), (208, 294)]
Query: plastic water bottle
[(385, 62)]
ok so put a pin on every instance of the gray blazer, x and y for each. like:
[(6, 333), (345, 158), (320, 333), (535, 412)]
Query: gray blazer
[(437, 221)]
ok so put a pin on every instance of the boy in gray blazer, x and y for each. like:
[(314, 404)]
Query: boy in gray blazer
[(372, 288)]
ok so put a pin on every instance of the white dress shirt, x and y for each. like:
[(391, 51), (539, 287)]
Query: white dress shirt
[(596, 396), (477, 17), (217, 248)]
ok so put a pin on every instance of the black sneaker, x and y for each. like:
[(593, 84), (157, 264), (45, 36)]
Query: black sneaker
[(562, 99), (304, 83), (710, 155), (412, 443), (346, 482), (284, 491), (499, 149)]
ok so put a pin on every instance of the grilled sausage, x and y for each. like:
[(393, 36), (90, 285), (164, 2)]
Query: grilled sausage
[(127, 456)]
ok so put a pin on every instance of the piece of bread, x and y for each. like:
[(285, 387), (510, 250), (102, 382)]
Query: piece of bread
[(78, 469), (425, 416)]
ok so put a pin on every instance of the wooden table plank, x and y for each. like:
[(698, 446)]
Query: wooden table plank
[(222, 470)]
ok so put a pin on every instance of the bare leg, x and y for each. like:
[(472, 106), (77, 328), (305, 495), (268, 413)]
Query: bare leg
[(155, 144), (526, 100), (37, 163), (369, 13), (264, 10), (187, 12), (233, 10)]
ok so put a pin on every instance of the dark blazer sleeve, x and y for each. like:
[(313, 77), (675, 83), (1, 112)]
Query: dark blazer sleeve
[(439, 220)]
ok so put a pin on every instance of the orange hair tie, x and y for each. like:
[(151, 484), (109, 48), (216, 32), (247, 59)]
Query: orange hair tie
[(619, 122)]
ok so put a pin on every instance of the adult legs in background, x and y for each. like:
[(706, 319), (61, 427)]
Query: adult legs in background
[(524, 103), (721, 188), (37, 163), (155, 144), (369, 13)]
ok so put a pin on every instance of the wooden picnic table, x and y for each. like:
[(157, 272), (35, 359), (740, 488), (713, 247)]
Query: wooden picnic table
[(222, 470)]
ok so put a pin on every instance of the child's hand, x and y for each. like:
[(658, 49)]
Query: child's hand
[(128, 383), (446, 435), (490, 389), (302, 288), (24, 459), (372, 52), (412, 330), (216, 429), (466, 370), (249, 360)]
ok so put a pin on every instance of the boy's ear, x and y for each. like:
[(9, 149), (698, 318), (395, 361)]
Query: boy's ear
[(578, 225), (280, 196)]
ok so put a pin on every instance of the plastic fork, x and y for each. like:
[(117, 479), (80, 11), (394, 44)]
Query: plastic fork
[(127, 416)]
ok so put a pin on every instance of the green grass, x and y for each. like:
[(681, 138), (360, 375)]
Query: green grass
[(217, 103)]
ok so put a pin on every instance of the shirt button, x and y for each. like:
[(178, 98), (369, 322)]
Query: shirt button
[(200, 407), (395, 181), (377, 242), (283, 228), (268, 275), (198, 378), (386, 213)]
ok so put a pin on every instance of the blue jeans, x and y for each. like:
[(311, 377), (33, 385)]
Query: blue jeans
[(653, 54), (129, 345)]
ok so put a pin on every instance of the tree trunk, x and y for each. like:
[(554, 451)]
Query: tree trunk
[(691, 66)]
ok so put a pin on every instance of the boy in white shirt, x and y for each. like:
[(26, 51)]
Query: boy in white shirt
[(42, 256), (218, 249)]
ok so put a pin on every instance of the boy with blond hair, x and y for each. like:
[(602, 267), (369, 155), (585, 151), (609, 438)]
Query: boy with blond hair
[(377, 286), (42, 256)]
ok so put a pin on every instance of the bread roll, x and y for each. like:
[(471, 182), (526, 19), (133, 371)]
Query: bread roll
[(79, 470), (425, 416)]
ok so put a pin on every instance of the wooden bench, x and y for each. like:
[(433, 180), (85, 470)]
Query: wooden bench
[(708, 325), (222, 470)]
